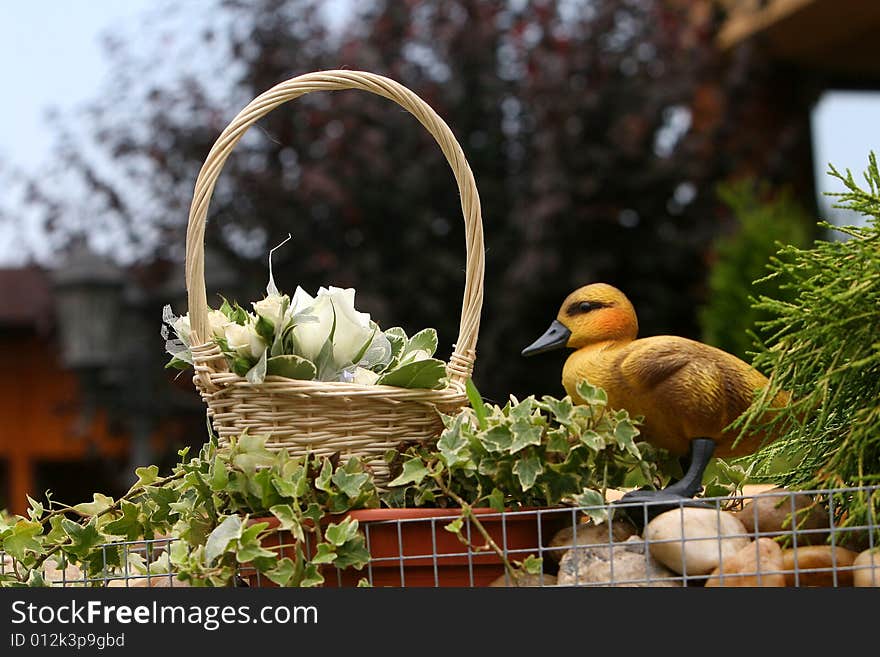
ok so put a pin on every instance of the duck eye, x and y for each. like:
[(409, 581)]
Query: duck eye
[(585, 307)]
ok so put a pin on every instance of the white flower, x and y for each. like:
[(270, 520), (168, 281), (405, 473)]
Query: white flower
[(364, 376), (272, 309), (311, 336), (182, 328), (218, 321), (353, 329), (243, 340)]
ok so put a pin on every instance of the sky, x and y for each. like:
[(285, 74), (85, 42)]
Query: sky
[(51, 57)]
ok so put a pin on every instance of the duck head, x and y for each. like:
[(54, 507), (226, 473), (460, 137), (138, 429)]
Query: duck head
[(590, 315)]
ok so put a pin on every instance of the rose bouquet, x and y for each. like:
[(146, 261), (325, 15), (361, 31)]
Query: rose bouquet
[(321, 338)]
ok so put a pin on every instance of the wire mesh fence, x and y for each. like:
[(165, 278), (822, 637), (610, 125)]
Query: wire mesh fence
[(771, 538)]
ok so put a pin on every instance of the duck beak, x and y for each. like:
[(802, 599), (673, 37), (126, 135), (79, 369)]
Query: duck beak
[(554, 337)]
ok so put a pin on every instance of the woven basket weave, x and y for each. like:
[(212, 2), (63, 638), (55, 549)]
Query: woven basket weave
[(329, 417)]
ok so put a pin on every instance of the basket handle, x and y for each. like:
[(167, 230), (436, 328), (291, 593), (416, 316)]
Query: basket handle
[(463, 356)]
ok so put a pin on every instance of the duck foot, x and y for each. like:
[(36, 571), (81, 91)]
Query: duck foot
[(644, 505)]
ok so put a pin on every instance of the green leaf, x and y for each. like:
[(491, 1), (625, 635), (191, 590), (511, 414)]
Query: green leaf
[(397, 337), (311, 576), (82, 537), (265, 329), (425, 340), (533, 565), (591, 394), (624, 434), (557, 441), (452, 443), (593, 440), (594, 503), (291, 367), (350, 484), (218, 540), (455, 526), (35, 509), (98, 504), (326, 553), (22, 538), (147, 475), (561, 408), (496, 500), (241, 366), (353, 553), (527, 471), (288, 520), (429, 373), (339, 533), (414, 471), (177, 364), (129, 526), (282, 573), (322, 481), (524, 434), (476, 401), (498, 438), (257, 374)]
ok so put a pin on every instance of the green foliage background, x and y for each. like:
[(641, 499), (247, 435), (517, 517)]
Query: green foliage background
[(764, 222)]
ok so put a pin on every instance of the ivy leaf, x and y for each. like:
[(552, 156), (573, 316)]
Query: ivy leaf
[(496, 500), (322, 481), (82, 537), (592, 395), (498, 438), (594, 505), (429, 373), (339, 533), (414, 471), (353, 553), (451, 444), (326, 553), (35, 510), (624, 433), (560, 408), (288, 520), (477, 403), (291, 367), (524, 434), (350, 484), (98, 504), (557, 441), (250, 546), (455, 526), (527, 471), (311, 576), (147, 475), (129, 525), (533, 565), (593, 440), (218, 540), (22, 538), (282, 573)]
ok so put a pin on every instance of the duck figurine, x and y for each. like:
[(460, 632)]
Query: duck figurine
[(688, 392)]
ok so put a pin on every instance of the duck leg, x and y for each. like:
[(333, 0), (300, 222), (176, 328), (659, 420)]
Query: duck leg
[(643, 505)]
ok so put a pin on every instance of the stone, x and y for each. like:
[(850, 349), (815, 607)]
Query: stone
[(693, 541), (631, 567), (757, 564), (522, 580), (825, 559), (770, 514), (866, 568), (589, 534)]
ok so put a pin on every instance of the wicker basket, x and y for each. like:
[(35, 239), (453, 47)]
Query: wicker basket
[(328, 417)]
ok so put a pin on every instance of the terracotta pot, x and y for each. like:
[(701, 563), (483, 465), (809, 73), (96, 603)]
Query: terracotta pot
[(411, 547)]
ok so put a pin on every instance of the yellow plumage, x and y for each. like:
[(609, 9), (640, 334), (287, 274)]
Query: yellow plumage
[(684, 389)]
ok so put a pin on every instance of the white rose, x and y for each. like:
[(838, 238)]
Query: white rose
[(353, 329), (272, 309), (311, 336), (364, 376), (218, 322), (244, 341)]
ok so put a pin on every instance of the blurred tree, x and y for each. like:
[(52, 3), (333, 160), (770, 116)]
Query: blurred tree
[(596, 131), (741, 262)]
